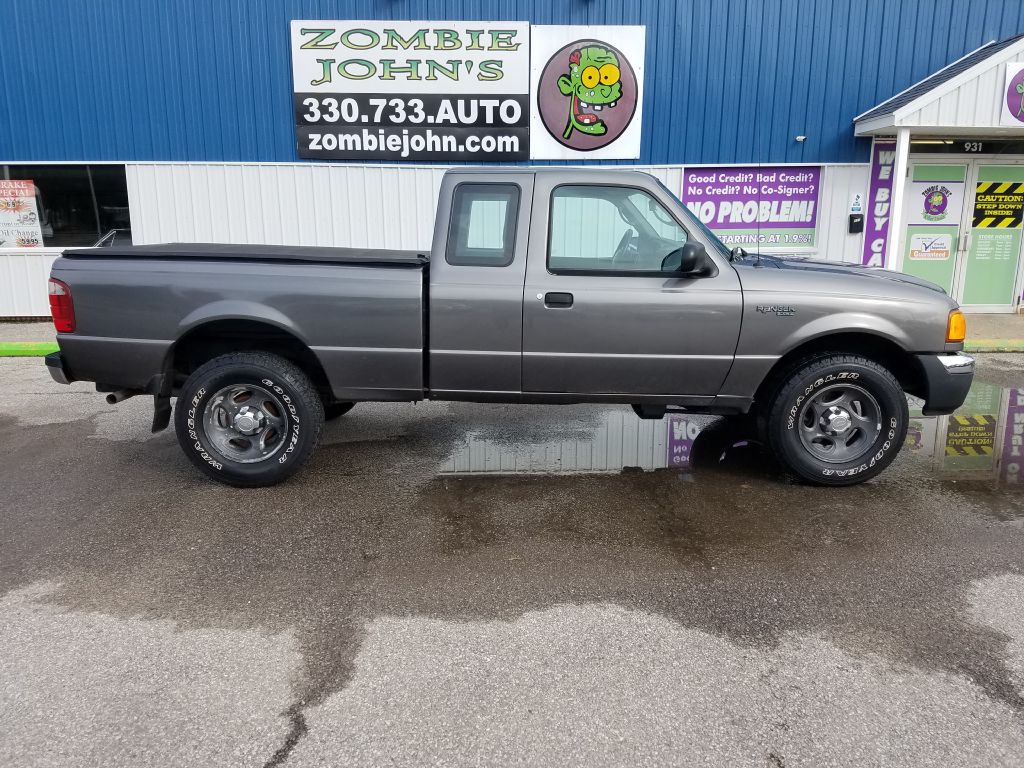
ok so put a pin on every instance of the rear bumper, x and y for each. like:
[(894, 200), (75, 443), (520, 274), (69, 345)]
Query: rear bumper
[(58, 372), (947, 380)]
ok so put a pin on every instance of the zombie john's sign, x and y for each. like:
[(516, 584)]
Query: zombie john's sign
[(408, 90), (449, 91), (771, 206)]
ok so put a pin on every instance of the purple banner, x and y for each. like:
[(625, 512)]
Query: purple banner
[(876, 219), (1012, 465), (769, 205)]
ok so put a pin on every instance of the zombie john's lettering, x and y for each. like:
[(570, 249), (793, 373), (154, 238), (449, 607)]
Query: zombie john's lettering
[(592, 85)]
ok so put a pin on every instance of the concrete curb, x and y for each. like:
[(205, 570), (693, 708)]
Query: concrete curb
[(27, 348), (994, 345)]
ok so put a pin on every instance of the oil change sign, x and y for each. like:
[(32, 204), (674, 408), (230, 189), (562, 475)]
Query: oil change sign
[(770, 207), (412, 91), (19, 216)]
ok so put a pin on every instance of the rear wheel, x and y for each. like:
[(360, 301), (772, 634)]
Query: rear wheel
[(836, 419), (248, 419)]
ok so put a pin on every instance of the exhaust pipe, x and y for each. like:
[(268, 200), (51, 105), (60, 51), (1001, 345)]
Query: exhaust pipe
[(122, 394)]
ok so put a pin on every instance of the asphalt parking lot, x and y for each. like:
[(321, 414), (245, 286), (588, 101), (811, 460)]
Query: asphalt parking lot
[(452, 584)]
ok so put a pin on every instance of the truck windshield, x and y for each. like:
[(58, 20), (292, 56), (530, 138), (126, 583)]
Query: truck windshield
[(711, 236)]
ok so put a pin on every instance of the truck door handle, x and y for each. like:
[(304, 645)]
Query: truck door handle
[(558, 300)]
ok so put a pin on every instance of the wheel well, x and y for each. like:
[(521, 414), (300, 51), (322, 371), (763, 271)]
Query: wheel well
[(902, 364), (220, 337)]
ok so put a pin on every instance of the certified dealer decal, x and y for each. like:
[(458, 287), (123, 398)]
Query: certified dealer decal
[(587, 95)]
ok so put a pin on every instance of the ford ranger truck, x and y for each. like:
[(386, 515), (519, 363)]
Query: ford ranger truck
[(545, 285)]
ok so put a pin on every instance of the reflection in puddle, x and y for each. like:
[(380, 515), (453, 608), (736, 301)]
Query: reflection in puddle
[(615, 442), (983, 443)]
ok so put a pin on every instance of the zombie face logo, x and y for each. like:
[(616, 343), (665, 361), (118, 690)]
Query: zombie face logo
[(587, 95), (591, 85), (1015, 96), (936, 200)]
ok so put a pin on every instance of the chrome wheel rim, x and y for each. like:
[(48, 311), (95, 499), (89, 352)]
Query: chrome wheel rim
[(839, 424), (245, 423)]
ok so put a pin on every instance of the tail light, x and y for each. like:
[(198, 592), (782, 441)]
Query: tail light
[(62, 307)]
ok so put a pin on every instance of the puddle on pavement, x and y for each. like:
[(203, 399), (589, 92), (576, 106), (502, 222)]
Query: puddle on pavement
[(980, 446)]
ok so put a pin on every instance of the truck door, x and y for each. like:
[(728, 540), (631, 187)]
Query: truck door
[(477, 268), (599, 317)]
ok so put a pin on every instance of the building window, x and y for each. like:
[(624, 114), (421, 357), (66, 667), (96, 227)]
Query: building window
[(76, 205)]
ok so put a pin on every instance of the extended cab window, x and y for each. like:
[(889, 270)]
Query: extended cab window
[(609, 229), (482, 231)]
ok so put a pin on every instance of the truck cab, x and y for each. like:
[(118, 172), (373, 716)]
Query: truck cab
[(552, 285)]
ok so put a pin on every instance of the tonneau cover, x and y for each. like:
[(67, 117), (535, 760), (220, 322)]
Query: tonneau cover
[(219, 251)]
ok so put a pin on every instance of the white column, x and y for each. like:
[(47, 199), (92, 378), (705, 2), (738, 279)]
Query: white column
[(893, 256)]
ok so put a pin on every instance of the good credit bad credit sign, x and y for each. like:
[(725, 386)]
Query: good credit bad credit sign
[(772, 206), (407, 90)]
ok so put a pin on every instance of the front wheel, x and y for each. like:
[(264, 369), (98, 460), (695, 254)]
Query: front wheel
[(248, 419), (836, 419)]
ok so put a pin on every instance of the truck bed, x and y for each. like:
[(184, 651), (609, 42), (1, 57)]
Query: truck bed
[(296, 254), (359, 311)]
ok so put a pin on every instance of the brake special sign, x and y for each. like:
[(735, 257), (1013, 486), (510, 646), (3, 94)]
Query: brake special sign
[(771, 206)]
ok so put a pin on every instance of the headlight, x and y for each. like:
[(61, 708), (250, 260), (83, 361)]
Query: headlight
[(956, 326)]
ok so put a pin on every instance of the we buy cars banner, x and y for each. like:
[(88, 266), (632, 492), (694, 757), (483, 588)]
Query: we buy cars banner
[(457, 91)]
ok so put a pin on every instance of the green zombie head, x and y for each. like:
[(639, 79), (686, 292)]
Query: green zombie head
[(592, 85)]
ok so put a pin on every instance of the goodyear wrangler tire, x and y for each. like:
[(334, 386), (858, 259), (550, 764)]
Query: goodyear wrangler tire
[(836, 419), (248, 418)]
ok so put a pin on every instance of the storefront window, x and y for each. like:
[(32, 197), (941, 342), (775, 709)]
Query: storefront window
[(76, 204)]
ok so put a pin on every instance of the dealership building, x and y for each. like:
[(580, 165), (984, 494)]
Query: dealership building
[(877, 133)]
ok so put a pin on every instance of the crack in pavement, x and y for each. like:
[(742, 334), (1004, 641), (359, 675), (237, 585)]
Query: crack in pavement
[(296, 731)]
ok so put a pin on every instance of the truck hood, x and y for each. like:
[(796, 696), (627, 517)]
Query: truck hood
[(805, 264)]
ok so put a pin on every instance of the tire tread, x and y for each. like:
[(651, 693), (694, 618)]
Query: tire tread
[(807, 367), (280, 367)]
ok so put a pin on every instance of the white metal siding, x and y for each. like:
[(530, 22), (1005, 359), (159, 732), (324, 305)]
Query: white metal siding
[(361, 205), (23, 275), (975, 103), (838, 185)]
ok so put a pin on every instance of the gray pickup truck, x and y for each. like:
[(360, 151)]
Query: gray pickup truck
[(542, 286)]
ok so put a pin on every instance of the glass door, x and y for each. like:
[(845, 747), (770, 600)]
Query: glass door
[(988, 279), (933, 209)]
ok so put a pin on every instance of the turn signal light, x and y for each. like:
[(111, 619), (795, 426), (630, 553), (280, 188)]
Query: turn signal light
[(956, 326), (62, 307)]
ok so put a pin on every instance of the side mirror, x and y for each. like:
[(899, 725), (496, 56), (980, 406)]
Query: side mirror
[(737, 254), (689, 258)]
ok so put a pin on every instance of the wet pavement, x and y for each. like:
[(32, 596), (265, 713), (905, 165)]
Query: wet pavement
[(490, 585)]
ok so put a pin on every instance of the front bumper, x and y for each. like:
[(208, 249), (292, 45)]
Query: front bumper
[(947, 380), (58, 372)]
